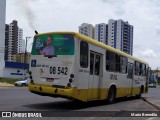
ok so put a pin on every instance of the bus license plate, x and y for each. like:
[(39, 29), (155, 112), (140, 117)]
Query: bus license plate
[(50, 79)]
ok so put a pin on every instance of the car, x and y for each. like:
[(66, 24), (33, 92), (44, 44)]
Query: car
[(153, 85), (22, 82)]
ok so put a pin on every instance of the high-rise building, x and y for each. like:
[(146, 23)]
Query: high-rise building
[(101, 32), (14, 43), (120, 35), (87, 29), (21, 42), (2, 28), (116, 33)]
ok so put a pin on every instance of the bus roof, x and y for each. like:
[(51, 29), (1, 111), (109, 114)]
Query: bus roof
[(97, 43)]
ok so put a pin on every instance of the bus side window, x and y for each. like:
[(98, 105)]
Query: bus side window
[(112, 61), (91, 63), (144, 70), (123, 64), (107, 60), (137, 68), (130, 71), (97, 64), (83, 54), (140, 69)]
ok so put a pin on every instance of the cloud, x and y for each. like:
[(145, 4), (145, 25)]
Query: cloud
[(149, 53), (59, 15), (114, 1), (158, 31)]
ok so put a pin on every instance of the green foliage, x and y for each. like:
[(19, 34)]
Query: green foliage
[(9, 80)]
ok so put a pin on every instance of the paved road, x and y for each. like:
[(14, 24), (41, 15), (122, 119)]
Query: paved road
[(153, 92), (20, 99)]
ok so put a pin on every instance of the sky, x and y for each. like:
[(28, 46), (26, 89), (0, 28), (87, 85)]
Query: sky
[(67, 15)]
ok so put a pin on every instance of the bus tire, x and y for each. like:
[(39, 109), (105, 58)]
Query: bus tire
[(140, 93), (111, 95)]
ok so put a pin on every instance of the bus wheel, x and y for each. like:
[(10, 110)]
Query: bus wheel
[(111, 95), (140, 93)]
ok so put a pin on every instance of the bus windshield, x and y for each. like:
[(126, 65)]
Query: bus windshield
[(53, 44)]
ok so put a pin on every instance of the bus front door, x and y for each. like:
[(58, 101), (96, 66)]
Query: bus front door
[(94, 79)]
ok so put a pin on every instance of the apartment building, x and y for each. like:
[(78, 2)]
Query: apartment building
[(14, 43), (87, 29), (120, 35), (116, 33)]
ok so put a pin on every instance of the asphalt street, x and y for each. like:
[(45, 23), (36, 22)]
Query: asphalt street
[(20, 99)]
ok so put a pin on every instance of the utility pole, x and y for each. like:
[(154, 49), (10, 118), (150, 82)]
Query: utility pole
[(157, 75), (25, 54)]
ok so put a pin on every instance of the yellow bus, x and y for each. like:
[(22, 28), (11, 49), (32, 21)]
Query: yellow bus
[(74, 66)]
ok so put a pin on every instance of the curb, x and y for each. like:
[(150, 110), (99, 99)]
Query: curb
[(154, 105), (11, 87), (7, 87)]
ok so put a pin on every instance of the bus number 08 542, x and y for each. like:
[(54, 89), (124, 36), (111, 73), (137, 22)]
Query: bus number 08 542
[(58, 70)]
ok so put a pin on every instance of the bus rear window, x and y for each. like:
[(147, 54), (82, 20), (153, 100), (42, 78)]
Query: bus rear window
[(53, 44)]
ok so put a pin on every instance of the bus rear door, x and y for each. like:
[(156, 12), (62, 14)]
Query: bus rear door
[(95, 72)]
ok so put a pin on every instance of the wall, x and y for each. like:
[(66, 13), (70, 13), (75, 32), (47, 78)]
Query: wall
[(13, 70), (2, 28)]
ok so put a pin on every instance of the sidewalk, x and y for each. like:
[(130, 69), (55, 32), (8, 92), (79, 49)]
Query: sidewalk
[(2, 85), (155, 102)]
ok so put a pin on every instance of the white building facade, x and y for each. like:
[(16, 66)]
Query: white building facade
[(21, 42), (2, 28), (120, 35), (87, 30)]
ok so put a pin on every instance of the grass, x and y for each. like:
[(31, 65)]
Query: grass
[(9, 80)]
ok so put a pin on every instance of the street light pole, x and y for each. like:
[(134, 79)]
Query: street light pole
[(25, 54)]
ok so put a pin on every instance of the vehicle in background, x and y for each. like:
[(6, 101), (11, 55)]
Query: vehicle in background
[(152, 81), (22, 82), (152, 85)]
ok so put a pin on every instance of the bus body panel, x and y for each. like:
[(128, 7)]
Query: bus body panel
[(44, 71)]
